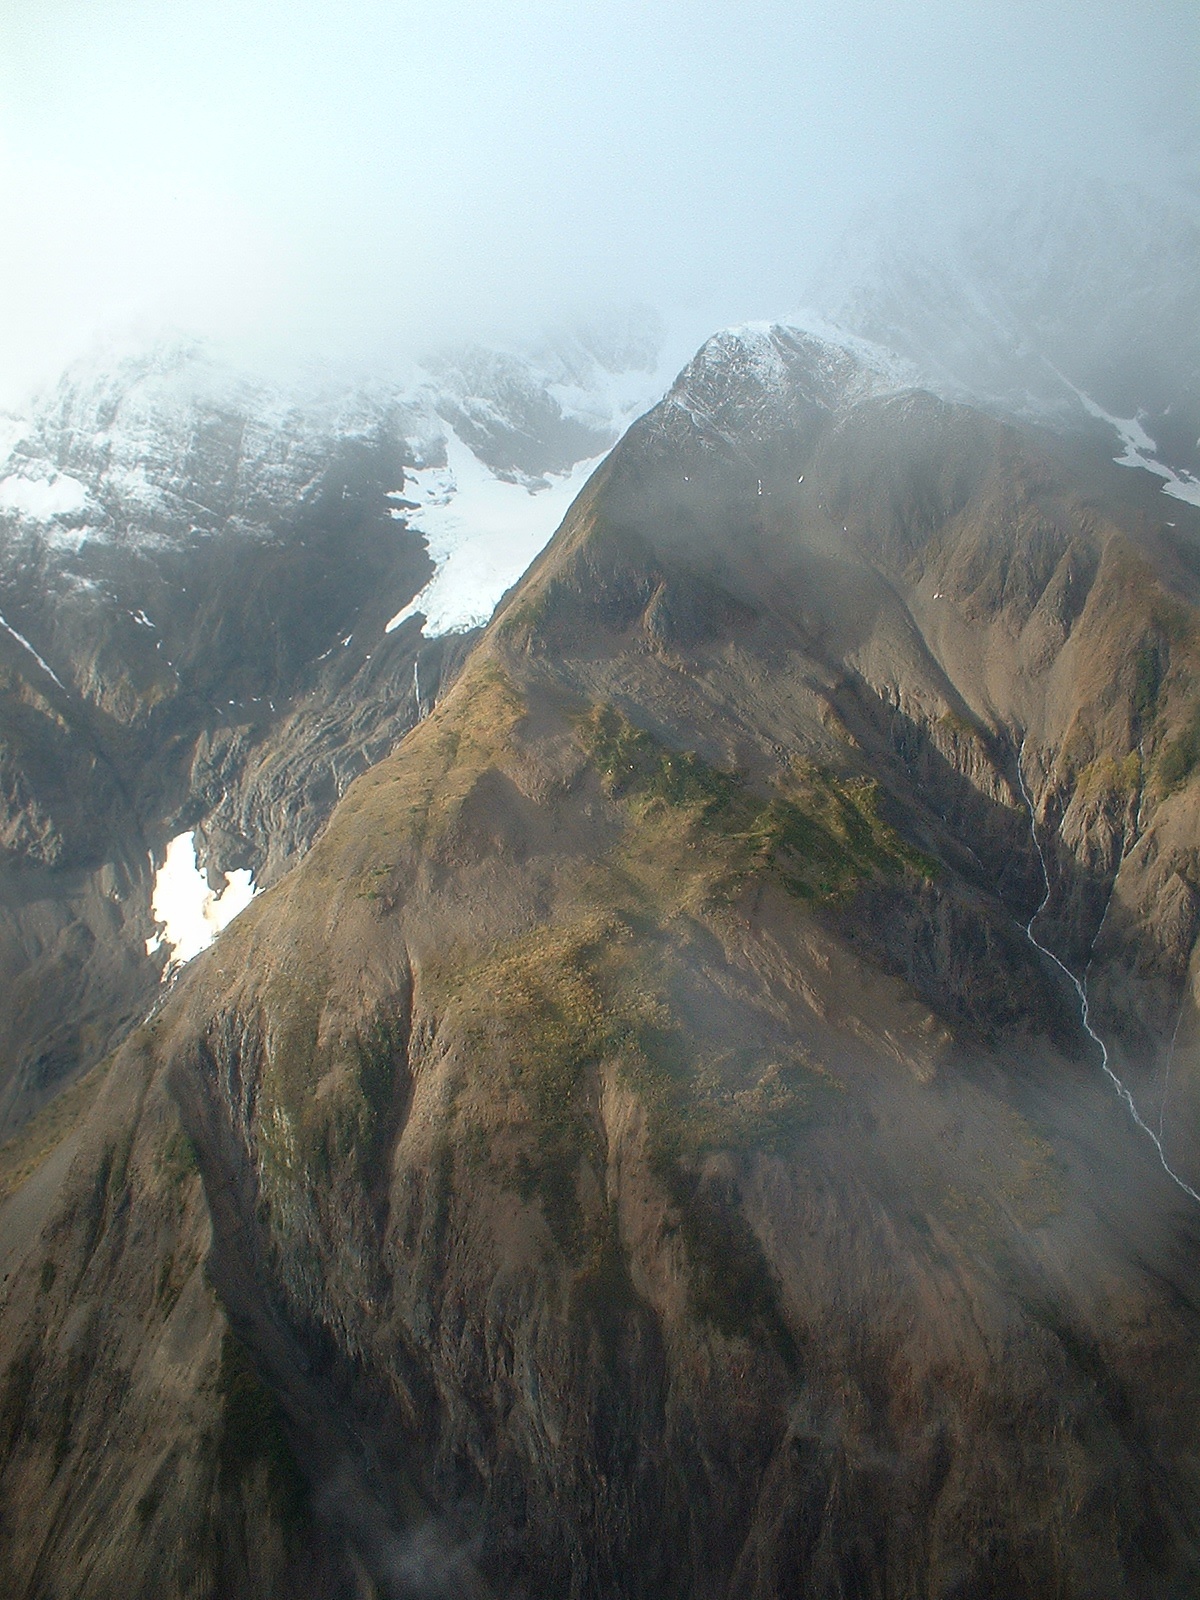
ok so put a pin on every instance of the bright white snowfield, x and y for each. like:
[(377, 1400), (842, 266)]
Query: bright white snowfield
[(482, 533), (1140, 450), (190, 914), (42, 498)]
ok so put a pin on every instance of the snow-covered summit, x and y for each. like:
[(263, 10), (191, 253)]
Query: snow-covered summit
[(757, 379), (479, 449), (829, 363)]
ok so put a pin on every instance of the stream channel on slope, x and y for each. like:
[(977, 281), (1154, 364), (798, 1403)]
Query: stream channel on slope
[(1080, 986)]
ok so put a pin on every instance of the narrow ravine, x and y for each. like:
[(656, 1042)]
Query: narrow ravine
[(1080, 987)]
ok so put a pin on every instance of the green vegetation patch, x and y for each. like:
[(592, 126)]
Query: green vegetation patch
[(822, 837), (348, 1128), (177, 1161), (633, 763), (1178, 757), (1107, 776), (329, 1108), (538, 1005), (550, 1009), (379, 1052), (253, 1438), (1147, 681), (292, 1065), (964, 725)]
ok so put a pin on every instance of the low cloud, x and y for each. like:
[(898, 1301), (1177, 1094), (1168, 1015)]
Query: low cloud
[(367, 180)]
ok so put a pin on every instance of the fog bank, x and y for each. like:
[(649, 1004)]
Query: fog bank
[(362, 181)]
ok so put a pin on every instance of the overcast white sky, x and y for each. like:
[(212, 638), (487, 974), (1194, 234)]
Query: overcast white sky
[(358, 178)]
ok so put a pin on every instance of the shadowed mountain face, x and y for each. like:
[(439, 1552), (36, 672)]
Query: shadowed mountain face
[(641, 1149)]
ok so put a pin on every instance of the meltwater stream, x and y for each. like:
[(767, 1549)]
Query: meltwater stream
[(1081, 990)]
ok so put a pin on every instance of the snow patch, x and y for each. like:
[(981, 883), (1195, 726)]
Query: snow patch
[(482, 533), (1140, 451), (24, 642), (39, 499), (189, 914)]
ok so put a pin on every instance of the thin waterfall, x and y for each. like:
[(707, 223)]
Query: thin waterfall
[(1080, 988)]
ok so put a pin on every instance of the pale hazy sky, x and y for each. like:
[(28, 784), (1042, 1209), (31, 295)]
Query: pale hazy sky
[(358, 178)]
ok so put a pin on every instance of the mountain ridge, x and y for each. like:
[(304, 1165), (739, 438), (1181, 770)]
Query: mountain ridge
[(196, 636), (640, 1148), (1034, 294)]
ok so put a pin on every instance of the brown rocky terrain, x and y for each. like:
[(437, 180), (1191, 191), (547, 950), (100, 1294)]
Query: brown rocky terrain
[(197, 570), (640, 1150)]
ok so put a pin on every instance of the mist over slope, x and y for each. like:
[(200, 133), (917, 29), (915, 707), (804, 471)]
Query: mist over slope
[(1061, 297), (644, 1146)]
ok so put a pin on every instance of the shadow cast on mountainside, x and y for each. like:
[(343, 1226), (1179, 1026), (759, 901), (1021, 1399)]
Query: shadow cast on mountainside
[(960, 940)]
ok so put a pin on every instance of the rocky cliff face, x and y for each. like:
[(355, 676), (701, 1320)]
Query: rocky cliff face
[(197, 573), (641, 1149)]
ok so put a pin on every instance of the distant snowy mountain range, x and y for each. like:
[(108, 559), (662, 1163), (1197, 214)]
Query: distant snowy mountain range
[(489, 448), (1072, 304)]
